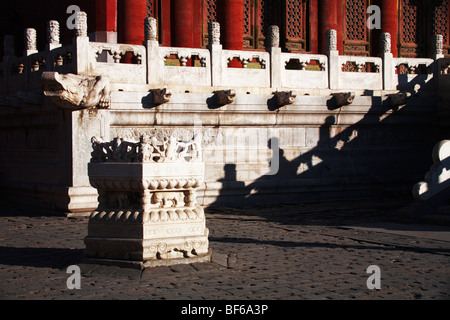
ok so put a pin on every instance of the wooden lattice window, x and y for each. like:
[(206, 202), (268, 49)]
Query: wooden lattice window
[(209, 14), (258, 16), (440, 23), (268, 13), (412, 28), (356, 34), (211, 10), (249, 37), (149, 8), (294, 25), (419, 20), (290, 15), (295, 19), (152, 8)]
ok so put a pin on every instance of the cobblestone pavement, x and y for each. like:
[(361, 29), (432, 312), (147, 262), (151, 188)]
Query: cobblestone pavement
[(289, 252)]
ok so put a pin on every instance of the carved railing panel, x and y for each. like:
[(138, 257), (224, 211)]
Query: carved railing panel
[(185, 66), (114, 66), (412, 74), (253, 70), (304, 71), (360, 73)]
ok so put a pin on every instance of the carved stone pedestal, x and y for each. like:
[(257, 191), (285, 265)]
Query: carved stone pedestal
[(147, 213)]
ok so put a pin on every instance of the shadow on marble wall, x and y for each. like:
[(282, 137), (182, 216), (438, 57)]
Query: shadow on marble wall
[(382, 155)]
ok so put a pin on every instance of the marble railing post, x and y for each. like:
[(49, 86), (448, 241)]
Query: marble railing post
[(333, 58), (53, 35), (440, 64), (30, 36), (388, 62), (30, 41), (81, 44), (151, 43), (438, 46), (215, 48), (276, 64)]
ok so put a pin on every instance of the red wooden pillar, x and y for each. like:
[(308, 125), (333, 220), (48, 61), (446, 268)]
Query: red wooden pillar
[(232, 24), (131, 20), (314, 26), (327, 20), (106, 15), (182, 23), (198, 24), (340, 25), (389, 22), (331, 16), (164, 24)]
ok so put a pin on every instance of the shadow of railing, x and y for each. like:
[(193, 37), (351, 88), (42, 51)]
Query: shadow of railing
[(382, 153)]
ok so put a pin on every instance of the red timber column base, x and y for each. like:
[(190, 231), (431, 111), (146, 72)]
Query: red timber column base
[(131, 15)]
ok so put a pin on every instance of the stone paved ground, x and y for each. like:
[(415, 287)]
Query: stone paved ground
[(288, 252)]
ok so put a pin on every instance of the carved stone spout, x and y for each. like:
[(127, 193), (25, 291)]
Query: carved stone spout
[(285, 97), (160, 96), (398, 99), (224, 97), (74, 92), (343, 98)]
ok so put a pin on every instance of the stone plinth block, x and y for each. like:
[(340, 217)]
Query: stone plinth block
[(147, 208)]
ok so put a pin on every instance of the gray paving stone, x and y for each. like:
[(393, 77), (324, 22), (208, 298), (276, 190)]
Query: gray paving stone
[(286, 252)]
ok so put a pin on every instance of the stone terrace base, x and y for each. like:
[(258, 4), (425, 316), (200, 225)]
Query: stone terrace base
[(207, 257), (163, 236), (147, 213)]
